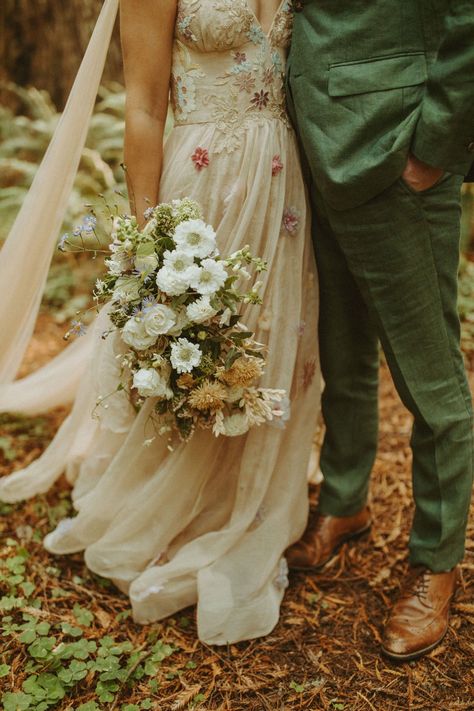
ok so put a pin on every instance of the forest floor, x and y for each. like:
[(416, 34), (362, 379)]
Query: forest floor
[(69, 642)]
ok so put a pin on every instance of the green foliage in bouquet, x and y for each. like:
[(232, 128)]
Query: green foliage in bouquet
[(174, 303)]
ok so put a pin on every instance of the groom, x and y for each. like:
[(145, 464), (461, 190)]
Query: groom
[(382, 94)]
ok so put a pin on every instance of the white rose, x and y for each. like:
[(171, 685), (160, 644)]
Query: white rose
[(150, 383), (201, 310), (135, 335), (236, 425), (158, 320)]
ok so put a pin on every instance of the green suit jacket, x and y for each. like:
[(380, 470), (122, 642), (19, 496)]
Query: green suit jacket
[(371, 80)]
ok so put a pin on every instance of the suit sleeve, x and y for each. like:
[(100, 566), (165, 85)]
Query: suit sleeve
[(444, 135)]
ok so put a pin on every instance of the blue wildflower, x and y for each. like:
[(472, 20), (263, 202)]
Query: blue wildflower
[(77, 328)]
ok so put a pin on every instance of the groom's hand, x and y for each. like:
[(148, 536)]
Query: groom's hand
[(420, 176)]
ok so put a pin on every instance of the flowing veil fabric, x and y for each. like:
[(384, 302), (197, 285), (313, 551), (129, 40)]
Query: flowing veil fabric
[(27, 252)]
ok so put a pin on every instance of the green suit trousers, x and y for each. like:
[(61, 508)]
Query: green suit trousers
[(388, 273)]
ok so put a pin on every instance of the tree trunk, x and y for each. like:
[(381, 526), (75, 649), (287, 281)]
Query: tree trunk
[(42, 43)]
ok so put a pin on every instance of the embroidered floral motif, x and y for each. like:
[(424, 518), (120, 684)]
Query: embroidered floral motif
[(283, 25), (256, 34), (245, 82), (260, 99), (249, 87), (309, 371), (183, 27), (268, 76), (277, 165), (200, 158), (239, 57), (291, 220)]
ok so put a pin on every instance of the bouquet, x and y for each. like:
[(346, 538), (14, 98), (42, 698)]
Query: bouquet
[(174, 301)]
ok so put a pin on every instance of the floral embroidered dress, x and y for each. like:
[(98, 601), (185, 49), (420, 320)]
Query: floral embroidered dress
[(209, 522)]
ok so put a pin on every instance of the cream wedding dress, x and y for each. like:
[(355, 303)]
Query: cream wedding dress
[(209, 522)]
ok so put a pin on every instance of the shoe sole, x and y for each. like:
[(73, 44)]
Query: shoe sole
[(413, 655), (351, 537)]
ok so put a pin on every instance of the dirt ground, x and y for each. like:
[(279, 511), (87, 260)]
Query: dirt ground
[(324, 653)]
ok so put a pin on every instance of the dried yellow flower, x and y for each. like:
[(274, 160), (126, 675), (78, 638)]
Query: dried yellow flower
[(185, 381), (243, 372), (208, 396)]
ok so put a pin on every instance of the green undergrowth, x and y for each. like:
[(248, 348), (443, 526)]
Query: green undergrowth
[(53, 655)]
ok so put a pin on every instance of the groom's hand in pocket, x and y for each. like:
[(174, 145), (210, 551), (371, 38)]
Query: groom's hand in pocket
[(420, 176)]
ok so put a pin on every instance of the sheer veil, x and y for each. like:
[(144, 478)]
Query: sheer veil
[(27, 252)]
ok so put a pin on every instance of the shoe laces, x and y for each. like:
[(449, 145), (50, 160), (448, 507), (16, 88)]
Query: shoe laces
[(418, 585)]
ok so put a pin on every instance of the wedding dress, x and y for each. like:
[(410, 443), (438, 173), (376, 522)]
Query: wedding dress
[(208, 522)]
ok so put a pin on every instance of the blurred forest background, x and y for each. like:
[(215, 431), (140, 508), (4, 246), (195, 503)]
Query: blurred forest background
[(68, 641)]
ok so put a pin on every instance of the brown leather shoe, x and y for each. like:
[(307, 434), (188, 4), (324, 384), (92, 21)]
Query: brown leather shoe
[(419, 619), (323, 537)]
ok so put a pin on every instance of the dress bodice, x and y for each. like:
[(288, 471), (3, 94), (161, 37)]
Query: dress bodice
[(226, 70)]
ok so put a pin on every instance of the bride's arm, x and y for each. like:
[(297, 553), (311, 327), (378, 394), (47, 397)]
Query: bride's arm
[(147, 28)]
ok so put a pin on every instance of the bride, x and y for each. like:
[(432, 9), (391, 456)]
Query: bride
[(209, 522)]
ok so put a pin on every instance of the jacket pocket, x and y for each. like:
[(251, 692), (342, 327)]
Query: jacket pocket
[(377, 74)]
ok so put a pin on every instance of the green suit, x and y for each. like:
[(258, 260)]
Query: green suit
[(368, 82)]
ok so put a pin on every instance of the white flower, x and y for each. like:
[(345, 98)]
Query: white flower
[(146, 264), (185, 355), (126, 289), (201, 310), (134, 334), (178, 261), (168, 281), (225, 318), (149, 227), (209, 277), (236, 425), (158, 319), (150, 383), (195, 238), (116, 265)]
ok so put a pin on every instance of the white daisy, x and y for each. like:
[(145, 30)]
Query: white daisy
[(178, 261), (201, 310), (168, 281), (195, 238), (185, 355), (209, 277)]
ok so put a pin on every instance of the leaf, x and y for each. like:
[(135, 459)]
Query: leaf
[(232, 356), (83, 616), (28, 588), (71, 630), (4, 670), (42, 647), (16, 702), (299, 688)]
